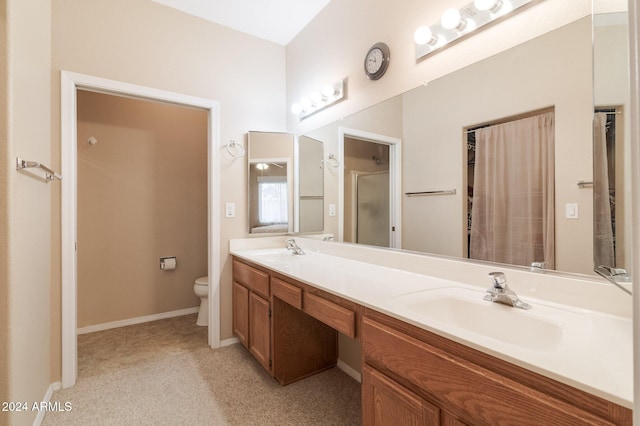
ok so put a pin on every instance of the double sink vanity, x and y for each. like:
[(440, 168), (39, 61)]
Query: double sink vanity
[(433, 350)]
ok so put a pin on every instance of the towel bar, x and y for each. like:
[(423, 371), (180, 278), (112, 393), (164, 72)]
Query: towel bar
[(24, 164), (442, 192)]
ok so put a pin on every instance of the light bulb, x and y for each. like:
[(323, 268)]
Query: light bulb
[(423, 35), (484, 5), (503, 8), (470, 25), (305, 103), (316, 97), (328, 91), (296, 108), (451, 19)]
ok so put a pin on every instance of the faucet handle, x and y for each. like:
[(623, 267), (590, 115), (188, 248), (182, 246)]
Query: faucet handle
[(498, 280), (538, 265)]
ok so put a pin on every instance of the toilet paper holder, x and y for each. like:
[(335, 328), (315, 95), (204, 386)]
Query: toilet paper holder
[(168, 263)]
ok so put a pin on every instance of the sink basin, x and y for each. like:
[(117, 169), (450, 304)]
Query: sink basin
[(464, 309)]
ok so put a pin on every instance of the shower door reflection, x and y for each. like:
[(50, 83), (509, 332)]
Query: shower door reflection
[(372, 205)]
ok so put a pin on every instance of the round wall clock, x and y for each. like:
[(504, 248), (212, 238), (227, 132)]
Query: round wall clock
[(376, 61)]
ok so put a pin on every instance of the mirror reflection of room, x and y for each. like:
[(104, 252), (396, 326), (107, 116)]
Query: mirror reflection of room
[(535, 76), (269, 196), (270, 183)]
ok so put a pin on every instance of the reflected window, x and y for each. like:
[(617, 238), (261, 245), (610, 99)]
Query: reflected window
[(272, 199)]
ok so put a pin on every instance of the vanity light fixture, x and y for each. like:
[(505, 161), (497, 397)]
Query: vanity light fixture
[(316, 101), (457, 23)]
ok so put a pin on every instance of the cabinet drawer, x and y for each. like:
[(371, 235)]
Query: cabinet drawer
[(476, 394), (335, 316), (287, 292), (252, 278)]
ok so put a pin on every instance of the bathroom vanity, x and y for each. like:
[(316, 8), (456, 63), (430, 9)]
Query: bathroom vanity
[(414, 371)]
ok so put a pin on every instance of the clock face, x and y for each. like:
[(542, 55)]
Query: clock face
[(376, 61), (375, 58)]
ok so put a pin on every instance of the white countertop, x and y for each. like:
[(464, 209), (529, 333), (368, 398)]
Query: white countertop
[(591, 349)]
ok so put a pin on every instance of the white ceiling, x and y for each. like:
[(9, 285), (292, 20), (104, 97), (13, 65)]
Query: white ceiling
[(278, 21)]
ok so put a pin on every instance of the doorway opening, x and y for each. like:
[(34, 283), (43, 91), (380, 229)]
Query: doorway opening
[(369, 188), (71, 83), (142, 197)]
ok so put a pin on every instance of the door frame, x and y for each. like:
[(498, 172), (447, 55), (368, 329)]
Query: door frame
[(70, 84), (395, 180)]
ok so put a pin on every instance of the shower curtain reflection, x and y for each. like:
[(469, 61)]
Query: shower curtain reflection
[(604, 190), (512, 215)]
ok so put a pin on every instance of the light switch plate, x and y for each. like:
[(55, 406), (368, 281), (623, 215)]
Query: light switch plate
[(332, 209), (571, 211), (230, 210)]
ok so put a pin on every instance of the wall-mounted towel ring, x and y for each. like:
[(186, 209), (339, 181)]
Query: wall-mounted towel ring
[(333, 161), (235, 150)]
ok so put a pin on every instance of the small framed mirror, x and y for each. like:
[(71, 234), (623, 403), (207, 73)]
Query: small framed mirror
[(270, 189)]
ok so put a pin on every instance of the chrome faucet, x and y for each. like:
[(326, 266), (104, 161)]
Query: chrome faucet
[(293, 247), (538, 266), (500, 292)]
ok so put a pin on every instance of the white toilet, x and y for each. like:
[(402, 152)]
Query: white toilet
[(201, 288)]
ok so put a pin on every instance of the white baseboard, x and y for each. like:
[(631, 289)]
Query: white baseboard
[(349, 371), (47, 398), (137, 320), (229, 342)]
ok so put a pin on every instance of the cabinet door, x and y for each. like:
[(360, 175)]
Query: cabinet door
[(240, 297), (385, 402), (260, 326)]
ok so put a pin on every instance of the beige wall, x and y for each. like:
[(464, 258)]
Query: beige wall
[(155, 46), (25, 225), (142, 195), (333, 46)]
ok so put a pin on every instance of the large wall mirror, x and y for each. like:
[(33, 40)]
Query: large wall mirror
[(270, 189), (545, 86)]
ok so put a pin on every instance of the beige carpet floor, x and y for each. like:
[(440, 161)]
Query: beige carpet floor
[(163, 373)]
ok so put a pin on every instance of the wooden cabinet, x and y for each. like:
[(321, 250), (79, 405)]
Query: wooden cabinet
[(241, 313), (252, 311), (260, 329), (410, 376), (385, 402), (269, 319), (473, 387)]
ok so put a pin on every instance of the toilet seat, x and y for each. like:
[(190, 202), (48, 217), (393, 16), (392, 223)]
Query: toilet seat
[(202, 281)]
